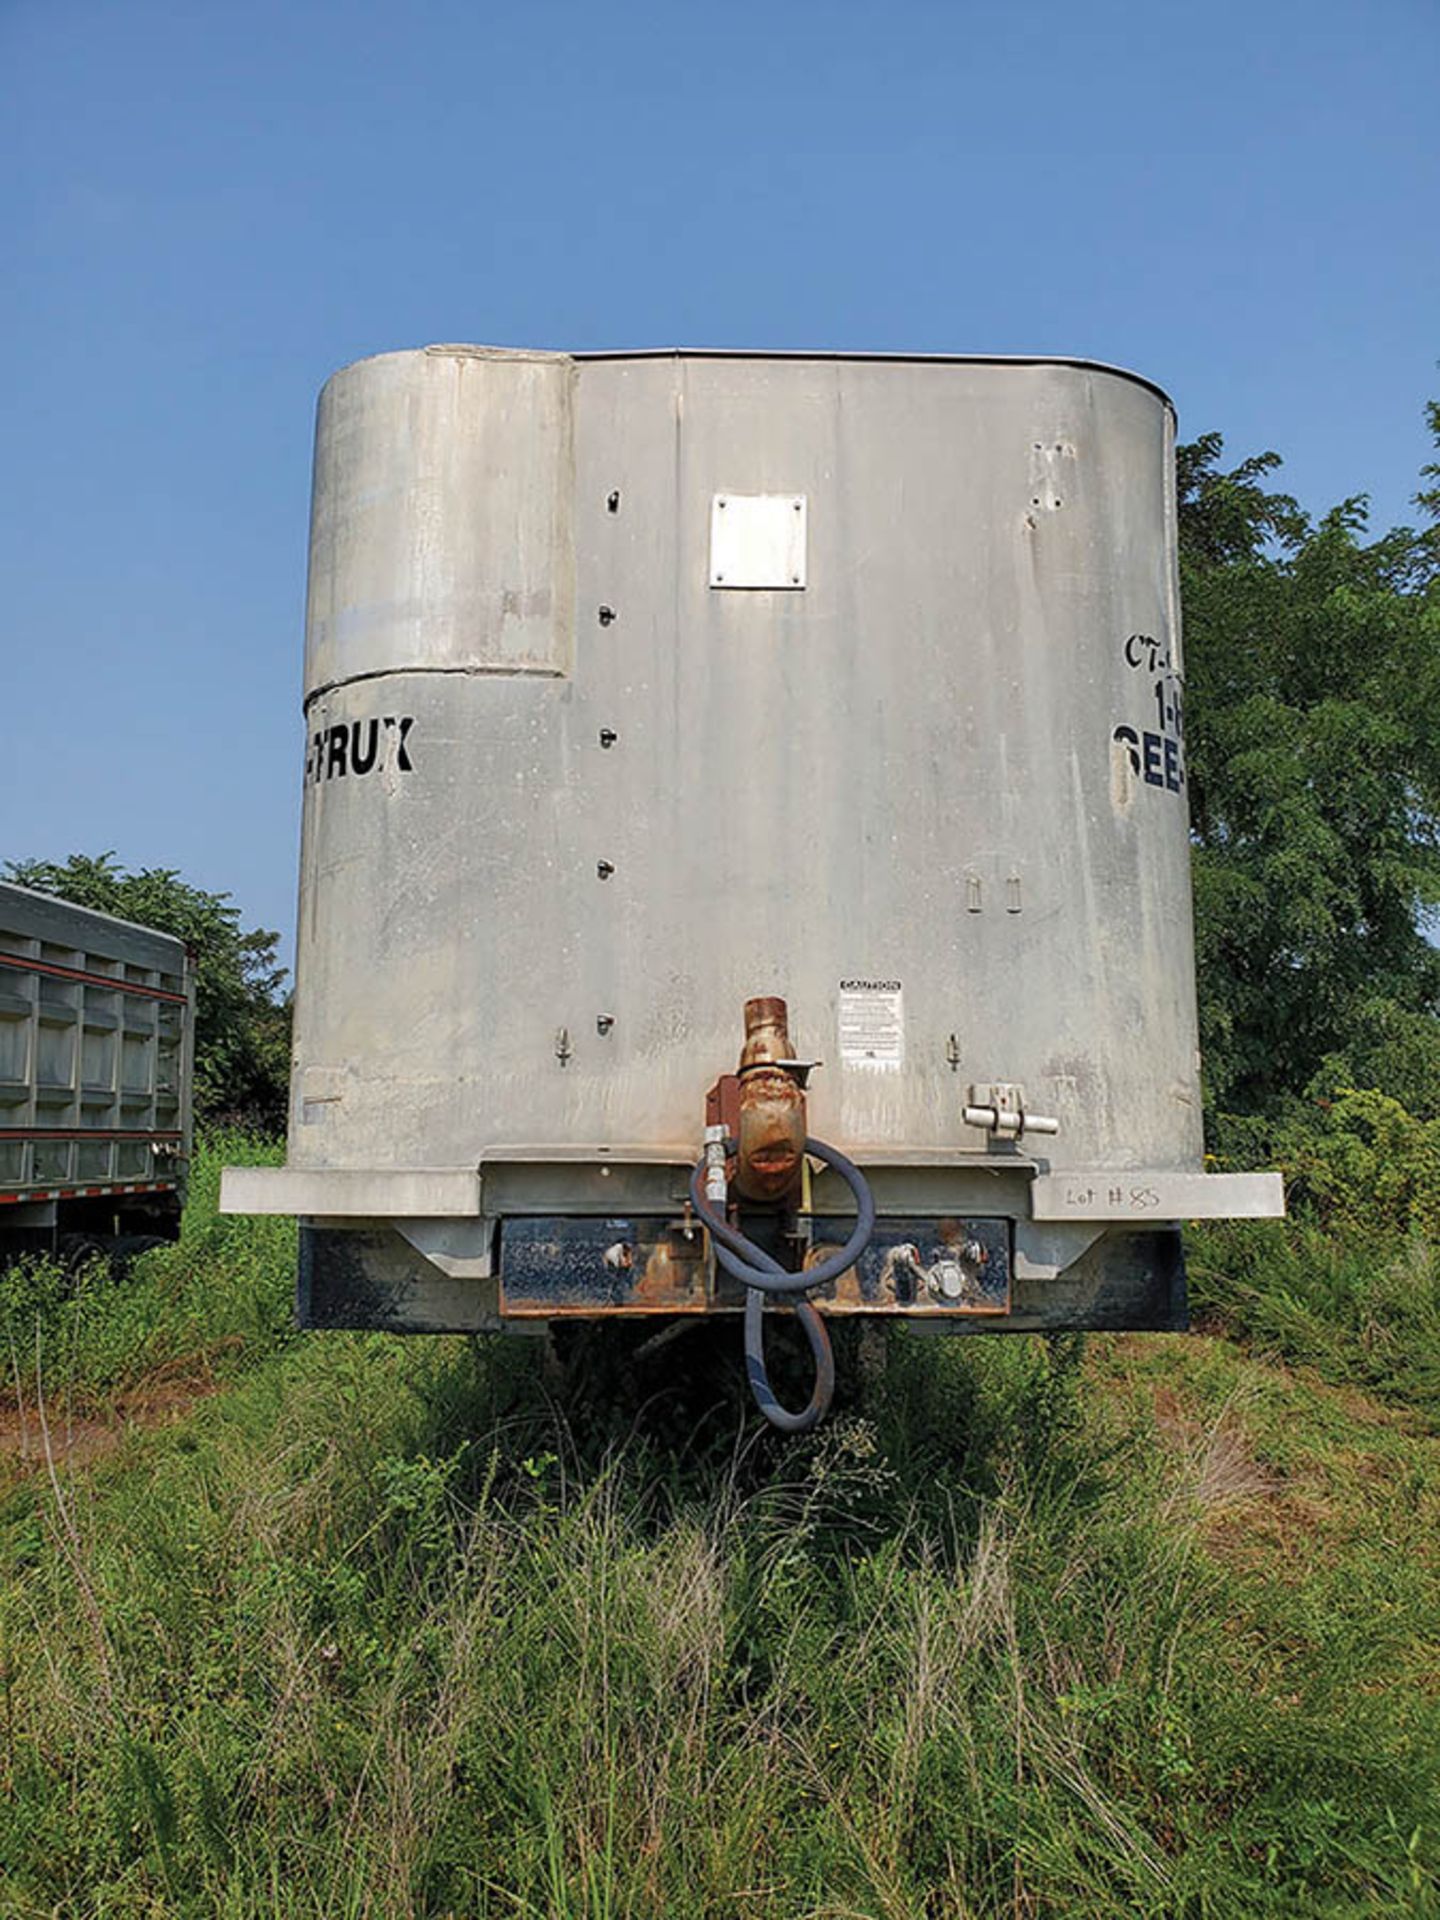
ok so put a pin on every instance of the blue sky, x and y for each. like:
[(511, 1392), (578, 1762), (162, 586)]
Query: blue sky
[(206, 208)]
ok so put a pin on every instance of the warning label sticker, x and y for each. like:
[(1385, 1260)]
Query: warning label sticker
[(872, 1025)]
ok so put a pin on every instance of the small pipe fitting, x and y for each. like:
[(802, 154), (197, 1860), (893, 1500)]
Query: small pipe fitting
[(715, 1178)]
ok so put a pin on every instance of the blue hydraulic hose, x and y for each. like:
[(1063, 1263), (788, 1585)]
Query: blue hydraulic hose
[(761, 1274)]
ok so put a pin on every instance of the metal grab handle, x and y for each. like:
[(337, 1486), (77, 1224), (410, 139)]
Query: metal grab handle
[(1000, 1120)]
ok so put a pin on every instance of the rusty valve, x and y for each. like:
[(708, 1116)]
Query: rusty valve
[(771, 1146), (761, 1110)]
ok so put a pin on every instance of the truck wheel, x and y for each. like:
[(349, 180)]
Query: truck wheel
[(126, 1248), (78, 1249)]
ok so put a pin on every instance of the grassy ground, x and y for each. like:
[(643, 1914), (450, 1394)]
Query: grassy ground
[(335, 1625)]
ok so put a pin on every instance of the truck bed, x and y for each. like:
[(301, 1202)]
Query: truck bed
[(96, 1049)]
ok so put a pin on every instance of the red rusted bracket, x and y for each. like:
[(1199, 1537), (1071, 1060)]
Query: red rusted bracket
[(722, 1105)]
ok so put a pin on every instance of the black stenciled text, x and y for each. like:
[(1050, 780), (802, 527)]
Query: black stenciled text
[(1156, 754), (359, 747)]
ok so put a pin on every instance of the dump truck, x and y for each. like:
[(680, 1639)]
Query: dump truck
[(97, 1022)]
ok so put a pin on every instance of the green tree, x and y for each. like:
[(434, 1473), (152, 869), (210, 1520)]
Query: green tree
[(242, 1020), (1313, 743)]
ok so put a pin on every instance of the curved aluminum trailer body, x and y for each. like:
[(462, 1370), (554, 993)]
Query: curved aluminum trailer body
[(641, 684)]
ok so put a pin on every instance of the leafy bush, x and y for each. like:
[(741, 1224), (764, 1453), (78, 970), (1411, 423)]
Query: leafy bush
[(1350, 1284), (1356, 1162)]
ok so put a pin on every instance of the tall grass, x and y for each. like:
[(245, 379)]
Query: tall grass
[(383, 1630), (82, 1334), (1359, 1308)]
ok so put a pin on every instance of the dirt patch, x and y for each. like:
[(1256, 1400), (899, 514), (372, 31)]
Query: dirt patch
[(72, 1442), (1256, 1517), (1250, 1516), (1278, 1536), (1359, 1405), (77, 1433)]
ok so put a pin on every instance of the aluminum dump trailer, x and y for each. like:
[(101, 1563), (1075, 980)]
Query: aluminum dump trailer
[(97, 1021), (819, 710)]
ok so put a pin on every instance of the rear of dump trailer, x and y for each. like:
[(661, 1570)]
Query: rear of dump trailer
[(745, 849), (96, 1037)]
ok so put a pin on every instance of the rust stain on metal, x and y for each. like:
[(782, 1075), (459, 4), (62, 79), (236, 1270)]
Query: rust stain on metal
[(674, 1272), (767, 1033), (772, 1107)]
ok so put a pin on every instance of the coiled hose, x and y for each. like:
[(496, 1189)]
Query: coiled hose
[(760, 1274)]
